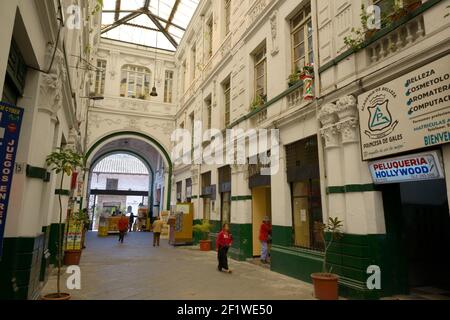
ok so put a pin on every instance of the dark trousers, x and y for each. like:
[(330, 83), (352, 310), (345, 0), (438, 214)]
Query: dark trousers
[(156, 236), (121, 235), (222, 258)]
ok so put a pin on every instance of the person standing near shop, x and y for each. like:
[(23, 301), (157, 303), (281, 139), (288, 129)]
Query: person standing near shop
[(130, 224), (223, 244), (265, 232), (123, 227), (157, 228)]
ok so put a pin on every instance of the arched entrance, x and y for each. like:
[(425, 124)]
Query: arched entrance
[(148, 150)]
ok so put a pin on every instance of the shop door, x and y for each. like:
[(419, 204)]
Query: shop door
[(261, 207), (206, 208), (225, 207), (427, 232)]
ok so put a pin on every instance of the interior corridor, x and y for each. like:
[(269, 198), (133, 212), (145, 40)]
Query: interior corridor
[(137, 270)]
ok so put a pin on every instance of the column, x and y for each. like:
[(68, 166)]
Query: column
[(364, 210), (333, 163)]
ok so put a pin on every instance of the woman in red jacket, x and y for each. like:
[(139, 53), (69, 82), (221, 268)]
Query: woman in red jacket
[(223, 243)]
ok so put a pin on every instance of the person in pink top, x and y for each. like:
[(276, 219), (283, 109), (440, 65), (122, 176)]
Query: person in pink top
[(223, 243)]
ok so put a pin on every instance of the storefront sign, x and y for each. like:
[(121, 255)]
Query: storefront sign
[(407, 113), (10, 121), (415, 167)]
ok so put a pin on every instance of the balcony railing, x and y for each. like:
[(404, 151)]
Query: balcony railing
[(399, 39)]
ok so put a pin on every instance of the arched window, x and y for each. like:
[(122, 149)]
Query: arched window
[(135, 82)]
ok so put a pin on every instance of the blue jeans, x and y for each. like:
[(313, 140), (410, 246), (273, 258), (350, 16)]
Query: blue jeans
[(264, 252)]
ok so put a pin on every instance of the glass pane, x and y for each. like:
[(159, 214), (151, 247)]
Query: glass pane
[(300, 189), (299, 51), (299, 36)]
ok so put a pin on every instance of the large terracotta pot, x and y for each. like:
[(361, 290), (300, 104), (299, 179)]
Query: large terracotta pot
[(72, 257), (325, 286), (205, 245), (55, 296)]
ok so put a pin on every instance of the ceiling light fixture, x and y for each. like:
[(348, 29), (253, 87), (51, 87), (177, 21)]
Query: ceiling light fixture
[(154, 93)]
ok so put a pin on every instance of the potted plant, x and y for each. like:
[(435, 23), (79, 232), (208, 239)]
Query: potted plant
[(399, 12), (203, 230), (326, 283), (64, 162), (411, 5), (257, 103), (294, 77)]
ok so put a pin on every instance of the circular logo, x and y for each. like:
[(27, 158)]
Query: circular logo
[(12, 127)]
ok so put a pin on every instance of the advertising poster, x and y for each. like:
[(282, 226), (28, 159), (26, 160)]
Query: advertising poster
[(408, 113), (10, 122)]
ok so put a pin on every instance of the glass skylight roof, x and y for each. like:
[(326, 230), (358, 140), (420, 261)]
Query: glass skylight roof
[(153, 23)]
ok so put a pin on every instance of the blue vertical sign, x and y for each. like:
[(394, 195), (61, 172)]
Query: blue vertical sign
[(10, 121)]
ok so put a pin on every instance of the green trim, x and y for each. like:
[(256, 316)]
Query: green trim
[(242, 247), (37, 173), (380, 34), (241, 198), (62, 192), (352, 188), (20, 267), (154, 142), (194, 197), (267, 104)]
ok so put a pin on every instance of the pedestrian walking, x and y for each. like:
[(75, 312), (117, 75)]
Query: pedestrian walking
[(265, 234), (123, 227), (223, 244), (157, 228), (130, 224)]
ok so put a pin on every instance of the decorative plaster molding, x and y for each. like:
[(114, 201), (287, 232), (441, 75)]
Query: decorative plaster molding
[(274, 32), (327, 114), (349, 130), (330, 136), (347, 107), (50, 91)]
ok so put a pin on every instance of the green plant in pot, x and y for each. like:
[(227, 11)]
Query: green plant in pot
[(257, 103), (203, 231), (326, 283), (294, 77), (64, 162)]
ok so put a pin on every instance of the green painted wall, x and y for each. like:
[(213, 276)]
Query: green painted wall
[(242, 241), (53, 241), (349, 257), (20, 268), (45, 264)]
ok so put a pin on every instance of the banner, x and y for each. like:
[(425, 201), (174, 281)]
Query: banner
[(408, 113), (414, 167), (10, 122)]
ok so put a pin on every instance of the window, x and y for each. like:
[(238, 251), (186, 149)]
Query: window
[(135, 82), (112, 184), (209, 39), (227, 100), (168, 86), (188, 189), (179, 187), (182, 125), (100, 77), (260, 73), (227, 16), (302, 40), (184, 76)]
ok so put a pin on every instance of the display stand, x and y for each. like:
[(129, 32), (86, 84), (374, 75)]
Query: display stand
[(181, 223)]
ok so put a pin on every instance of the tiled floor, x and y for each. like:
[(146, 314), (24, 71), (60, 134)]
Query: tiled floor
[(137, 270)]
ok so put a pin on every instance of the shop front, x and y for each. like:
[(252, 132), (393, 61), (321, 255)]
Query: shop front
[(260, 185), (404, 139), (225, 194)]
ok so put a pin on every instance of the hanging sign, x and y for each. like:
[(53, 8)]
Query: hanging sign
[(414, 167), (408, 113), (10, 121)]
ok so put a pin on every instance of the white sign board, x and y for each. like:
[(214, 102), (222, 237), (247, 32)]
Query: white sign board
[(414, 167), (408, 113)]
